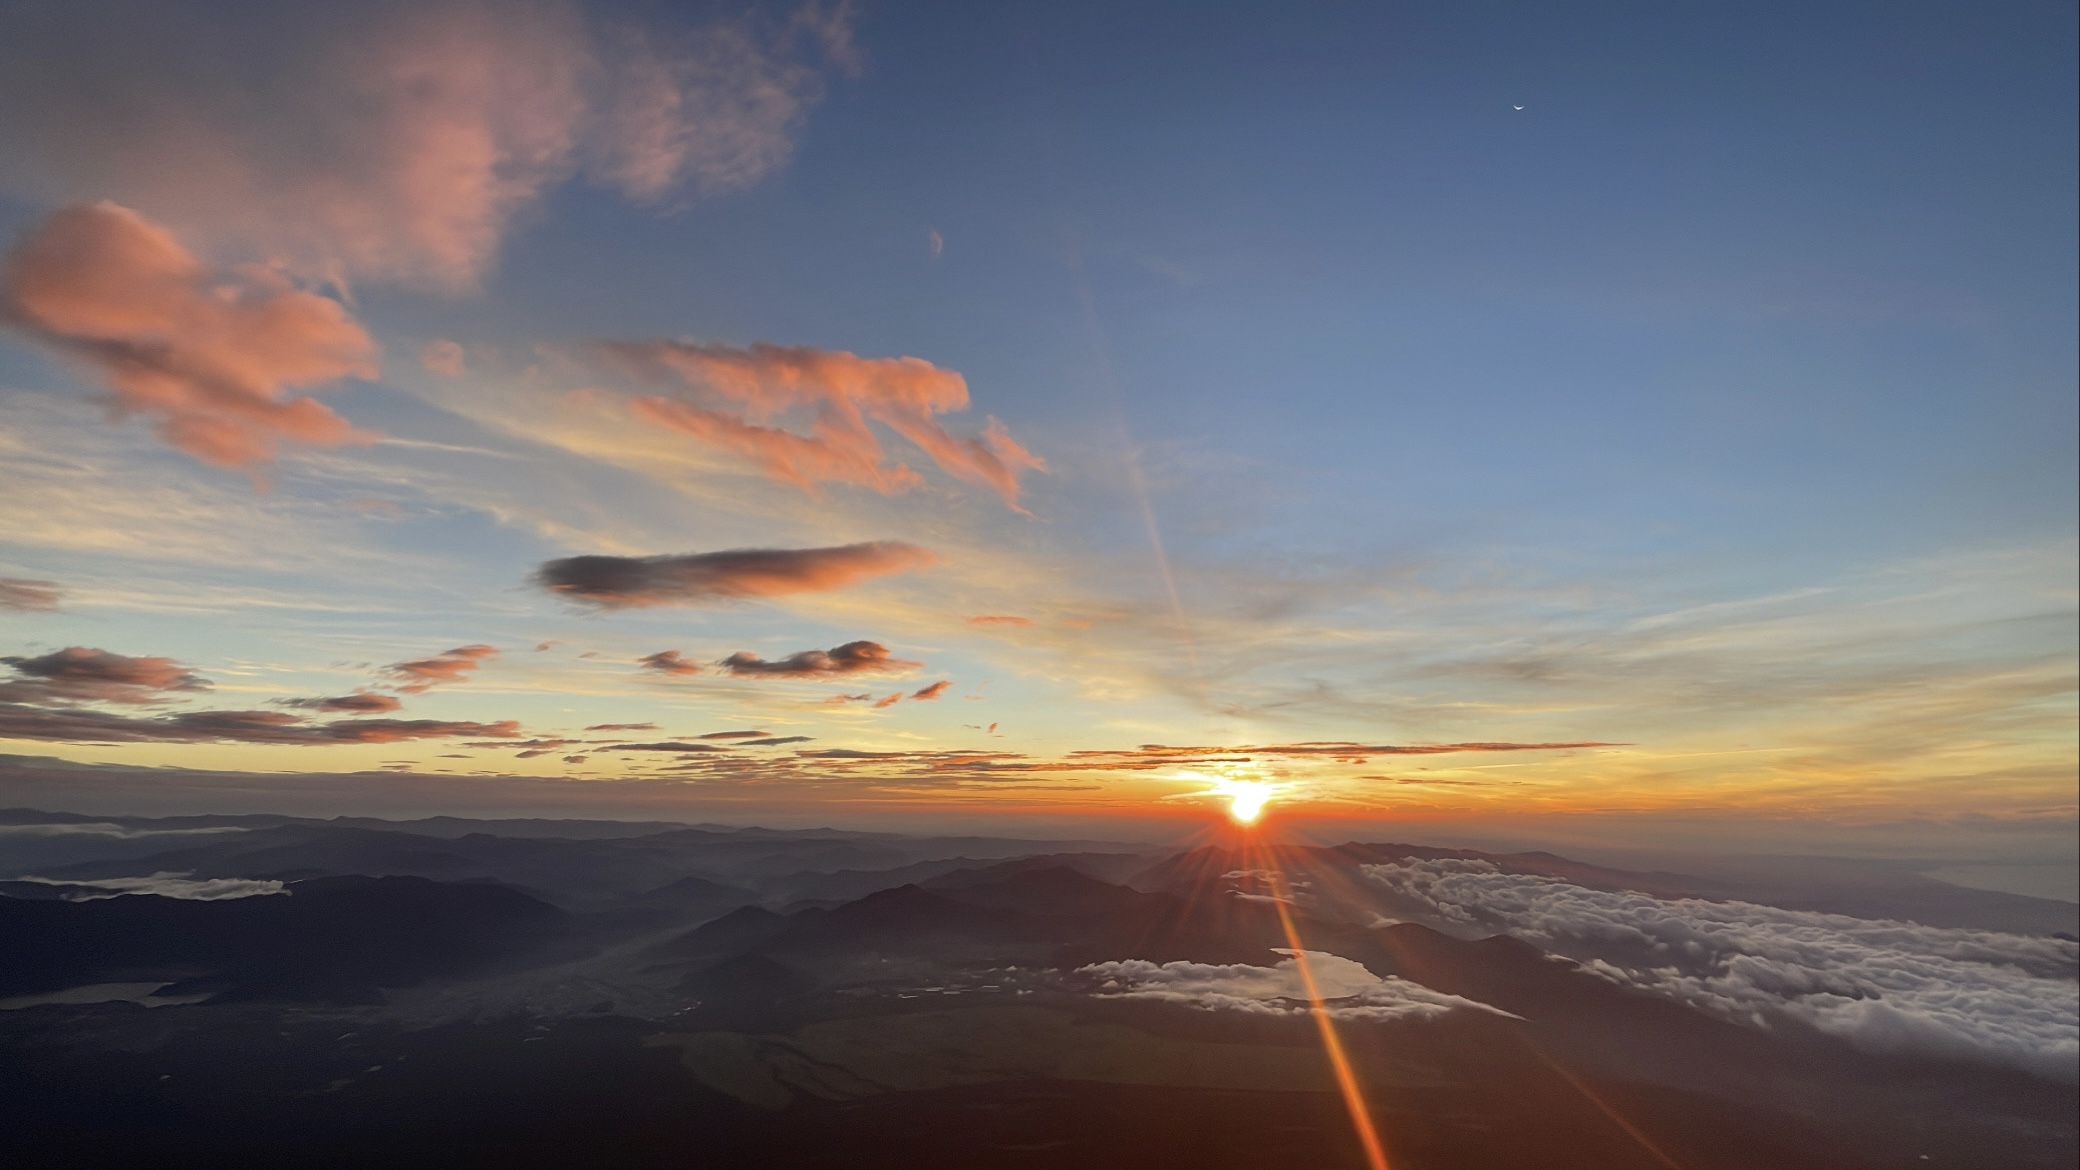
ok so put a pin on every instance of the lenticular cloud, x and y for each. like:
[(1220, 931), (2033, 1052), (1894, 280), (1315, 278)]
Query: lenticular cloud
[(1884, 986), (1349, 990)]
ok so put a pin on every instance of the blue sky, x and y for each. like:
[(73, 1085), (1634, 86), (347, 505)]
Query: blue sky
[(1718, 400)]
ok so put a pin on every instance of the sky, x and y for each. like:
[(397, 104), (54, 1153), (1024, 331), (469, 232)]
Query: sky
[(1634, 422)]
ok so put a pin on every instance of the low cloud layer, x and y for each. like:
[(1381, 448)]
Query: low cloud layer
[(1884, 986), (89, 674), (1349, 991), (210, 356), (165, 885), (422, 674), (78, 725), (730, 397), (860, 657), (729, 575)]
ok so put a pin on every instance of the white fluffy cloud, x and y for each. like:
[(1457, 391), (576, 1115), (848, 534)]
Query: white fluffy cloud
[(167, 885), (1884, 986), (1349, 991)]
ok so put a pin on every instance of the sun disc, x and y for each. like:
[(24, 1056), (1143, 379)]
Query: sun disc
[(1246, 800)]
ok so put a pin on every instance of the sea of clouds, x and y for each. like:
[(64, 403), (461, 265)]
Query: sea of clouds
[(166, 885), (1884, 986), (1348, 989)]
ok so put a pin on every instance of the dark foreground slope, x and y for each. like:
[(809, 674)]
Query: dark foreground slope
[(330, 938)]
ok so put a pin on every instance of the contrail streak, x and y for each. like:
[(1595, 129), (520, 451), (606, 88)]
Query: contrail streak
[(1099, 354)]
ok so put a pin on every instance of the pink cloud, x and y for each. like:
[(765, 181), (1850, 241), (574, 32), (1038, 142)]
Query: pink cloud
[(210, 359), (448, 666), (999, 619), (86, 673), (668, 662), (391, 140), (933, 691), (741, 393), (890, 701)]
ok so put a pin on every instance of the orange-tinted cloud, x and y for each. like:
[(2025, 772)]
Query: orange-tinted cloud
[(391, 140), (999, 619), (448, 666), (933, 691), (860, 657), (85, 673), (209, 358), (889, 701), (741, 392), (668, 662), (23, 593), (360, 702), (622, 727), (78, 725), (733, 574)]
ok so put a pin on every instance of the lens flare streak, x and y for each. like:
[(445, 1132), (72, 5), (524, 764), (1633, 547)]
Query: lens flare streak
[(1332, 1046)]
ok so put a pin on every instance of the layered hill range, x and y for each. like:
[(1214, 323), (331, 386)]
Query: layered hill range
[(549, 992)]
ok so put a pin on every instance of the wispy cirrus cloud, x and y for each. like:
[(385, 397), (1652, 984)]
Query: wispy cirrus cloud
[(611, 582), (23, 593), (738, 394), (210, 356), (861, 657)]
